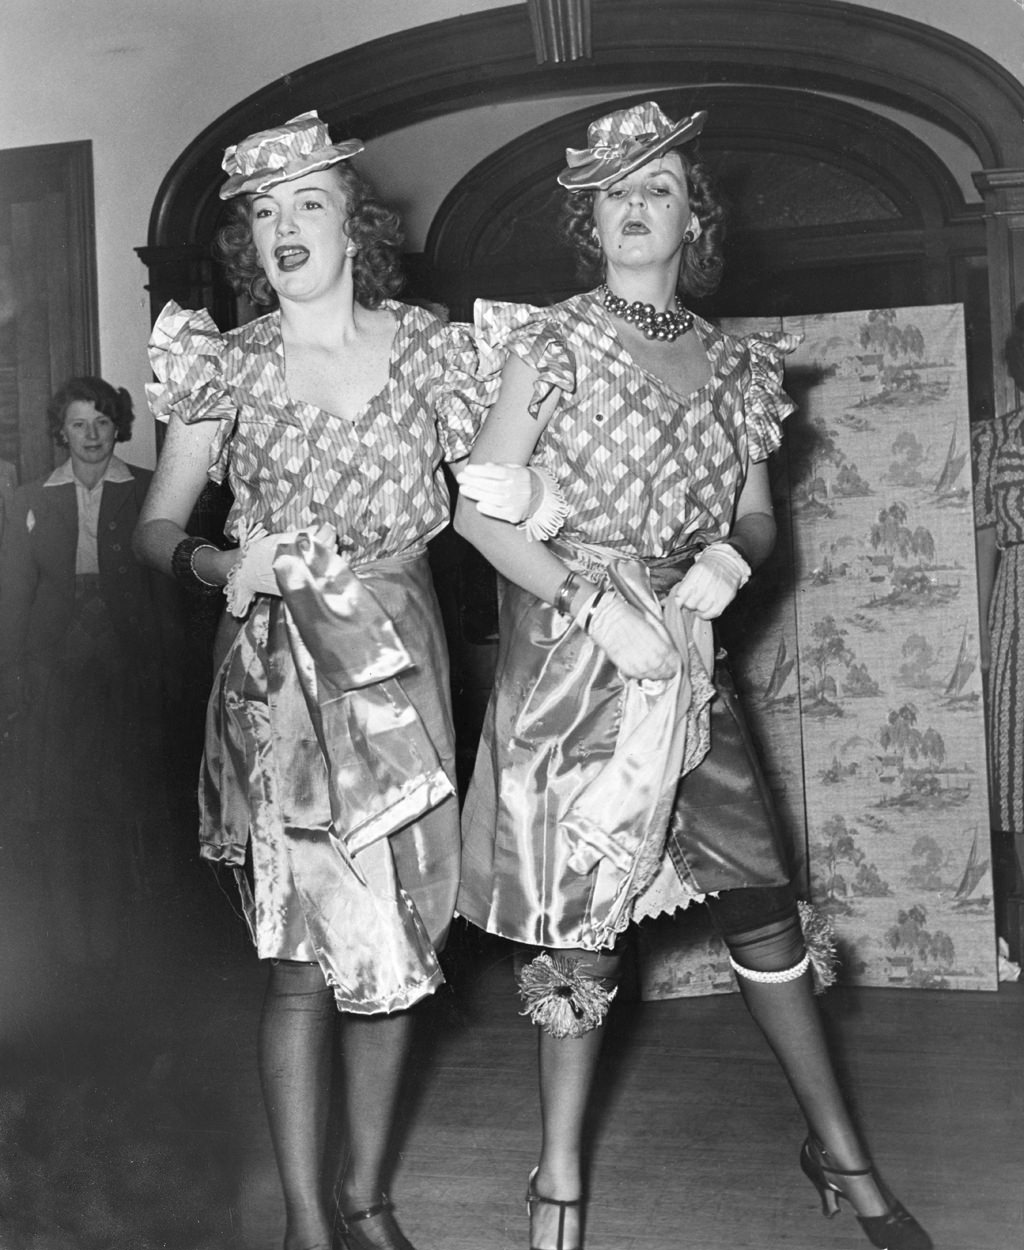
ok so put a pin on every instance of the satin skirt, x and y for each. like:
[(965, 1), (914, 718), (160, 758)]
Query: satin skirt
[(555, 715), (336, 863)]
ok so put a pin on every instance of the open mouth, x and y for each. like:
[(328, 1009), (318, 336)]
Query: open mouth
[(635, 227), (290, 257)]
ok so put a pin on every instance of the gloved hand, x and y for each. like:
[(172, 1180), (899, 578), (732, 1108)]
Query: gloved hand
[(518, 494), (254, 573), (503, 491), (711, 584), (635, 645)]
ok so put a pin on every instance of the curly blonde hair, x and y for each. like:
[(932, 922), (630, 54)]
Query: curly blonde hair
[(374, 228)]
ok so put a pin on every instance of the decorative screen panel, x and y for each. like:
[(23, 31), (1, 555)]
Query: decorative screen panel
[(860, 660)]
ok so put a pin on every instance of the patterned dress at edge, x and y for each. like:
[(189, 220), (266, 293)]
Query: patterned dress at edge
[(649, 477), (998, 453), (265, 791)]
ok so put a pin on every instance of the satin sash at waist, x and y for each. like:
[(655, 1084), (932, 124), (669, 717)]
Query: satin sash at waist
[(384, 771), (618, 821)]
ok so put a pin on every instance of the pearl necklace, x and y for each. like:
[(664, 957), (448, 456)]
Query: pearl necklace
[(666, 326)]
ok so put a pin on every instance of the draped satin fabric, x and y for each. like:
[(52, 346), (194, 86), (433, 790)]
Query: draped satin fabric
[(336, 775), (585, 782)]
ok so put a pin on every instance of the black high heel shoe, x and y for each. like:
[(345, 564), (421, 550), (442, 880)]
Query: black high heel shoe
[(895, 1230), (532, 1197), (349, 1233)]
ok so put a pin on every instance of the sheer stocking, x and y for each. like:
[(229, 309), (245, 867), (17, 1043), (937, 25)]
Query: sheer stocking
[(567, 1068), (295, 1040), (298, 1051), (376, 1048), (790, 1021)]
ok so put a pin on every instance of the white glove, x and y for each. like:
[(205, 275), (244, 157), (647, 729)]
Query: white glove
[(635, 645), (254, 573), (518, 494), (710, 585)]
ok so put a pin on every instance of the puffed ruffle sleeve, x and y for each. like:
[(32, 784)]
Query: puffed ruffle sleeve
[(465, 395), (534, 336), (186, 352), (766, 404), (983, 452)]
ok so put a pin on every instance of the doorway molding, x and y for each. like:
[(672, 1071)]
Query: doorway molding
[(807, 46)]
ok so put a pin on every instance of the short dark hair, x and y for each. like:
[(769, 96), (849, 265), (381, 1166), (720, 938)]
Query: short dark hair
[(114, 403), (703, 262), (372, 226)]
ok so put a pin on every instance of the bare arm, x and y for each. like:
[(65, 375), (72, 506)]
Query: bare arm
[(179, 479), (509, 436), (753, 529)]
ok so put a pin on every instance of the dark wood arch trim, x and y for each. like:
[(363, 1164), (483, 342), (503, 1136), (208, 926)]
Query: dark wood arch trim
[(861, 143), (487, 58)]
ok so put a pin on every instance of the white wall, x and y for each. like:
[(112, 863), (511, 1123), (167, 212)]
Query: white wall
[(141, 78)]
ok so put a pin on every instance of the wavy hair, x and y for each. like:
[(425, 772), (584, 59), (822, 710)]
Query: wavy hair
[(114, 403), (374, 228), (703, 262)]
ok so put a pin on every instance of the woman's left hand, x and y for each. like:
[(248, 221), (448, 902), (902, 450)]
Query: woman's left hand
[(711, 584)]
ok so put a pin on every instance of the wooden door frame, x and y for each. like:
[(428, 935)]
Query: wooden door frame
[(63, 173)]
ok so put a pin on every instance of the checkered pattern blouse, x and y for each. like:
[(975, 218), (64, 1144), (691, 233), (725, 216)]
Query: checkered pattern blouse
[(377, 479), (645, 471)]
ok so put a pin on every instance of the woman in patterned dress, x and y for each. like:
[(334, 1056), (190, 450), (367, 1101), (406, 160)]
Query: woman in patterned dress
[(657, 427), (327, 780), (998, 454)]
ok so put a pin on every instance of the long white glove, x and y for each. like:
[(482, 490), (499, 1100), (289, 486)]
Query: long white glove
[(254, 573), (520, 494), (710, 585), (635, 645)]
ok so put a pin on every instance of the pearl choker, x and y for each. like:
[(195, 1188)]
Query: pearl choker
[(666, 327)]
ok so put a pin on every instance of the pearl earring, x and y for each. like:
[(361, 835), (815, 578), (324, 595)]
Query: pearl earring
[(351, 250)]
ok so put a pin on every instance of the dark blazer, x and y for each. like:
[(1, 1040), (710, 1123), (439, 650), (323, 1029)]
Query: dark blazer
[(37, 574)]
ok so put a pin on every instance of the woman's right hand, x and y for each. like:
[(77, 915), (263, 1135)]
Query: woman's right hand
[(634, 644)]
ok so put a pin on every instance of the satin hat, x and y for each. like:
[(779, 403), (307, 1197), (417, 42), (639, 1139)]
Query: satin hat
[(623, 141), (282, 153)]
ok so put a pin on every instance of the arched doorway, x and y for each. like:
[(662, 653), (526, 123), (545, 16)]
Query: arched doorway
[(728, 53), (832, 208)]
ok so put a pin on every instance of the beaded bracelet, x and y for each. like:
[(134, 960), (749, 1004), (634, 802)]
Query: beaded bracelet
[(565, 592), (184, 569)]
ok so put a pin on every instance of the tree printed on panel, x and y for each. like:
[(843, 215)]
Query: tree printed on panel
[(919, 955)]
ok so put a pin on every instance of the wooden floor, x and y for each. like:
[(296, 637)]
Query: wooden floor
[(695, 1133)]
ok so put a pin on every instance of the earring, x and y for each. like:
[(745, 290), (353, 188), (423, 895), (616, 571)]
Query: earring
[(351, 250), (256, 296), (688, 236)]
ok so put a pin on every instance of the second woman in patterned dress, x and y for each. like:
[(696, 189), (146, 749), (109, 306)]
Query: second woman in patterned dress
[(657, 427)]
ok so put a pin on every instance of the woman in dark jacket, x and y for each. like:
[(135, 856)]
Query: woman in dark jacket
[(83, 644)]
